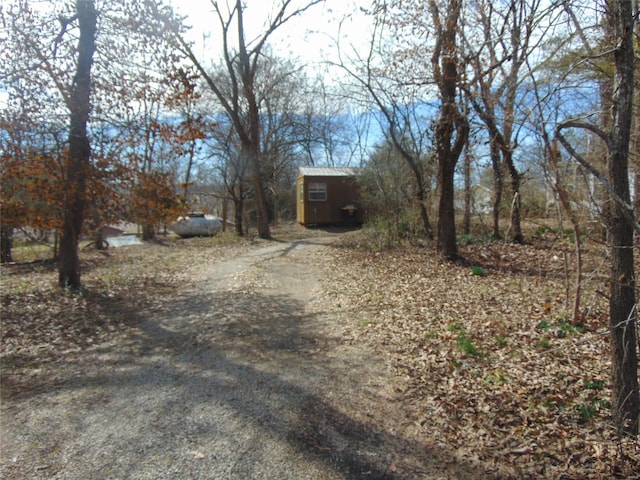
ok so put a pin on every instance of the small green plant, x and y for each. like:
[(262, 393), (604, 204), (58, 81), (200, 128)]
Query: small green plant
[(541, 230), (501, 341), (467, 346), (364, 323), (479, 271), (568, 328), (466, 239), (586, 411), (543, 325), (455, 327), (544, 343), (431, 334), (553, 404), (594, 384), (457, 364), (496, 378)]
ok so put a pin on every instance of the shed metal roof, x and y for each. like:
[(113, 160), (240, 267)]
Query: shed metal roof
[(327, 171)]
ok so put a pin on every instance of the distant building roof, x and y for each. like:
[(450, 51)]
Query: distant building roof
[(327, 171)]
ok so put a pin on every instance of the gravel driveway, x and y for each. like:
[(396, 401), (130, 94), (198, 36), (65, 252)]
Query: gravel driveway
[(245, 376)]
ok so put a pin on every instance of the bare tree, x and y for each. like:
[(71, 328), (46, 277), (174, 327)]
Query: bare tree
[(452, 127), (239, 98), (505, 43), (620, 16)]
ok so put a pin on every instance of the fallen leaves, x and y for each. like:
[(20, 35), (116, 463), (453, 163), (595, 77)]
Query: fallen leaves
[(489, 368), (491, 362), (41, 322)]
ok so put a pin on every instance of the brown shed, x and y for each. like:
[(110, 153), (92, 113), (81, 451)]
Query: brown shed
[(328, 196)]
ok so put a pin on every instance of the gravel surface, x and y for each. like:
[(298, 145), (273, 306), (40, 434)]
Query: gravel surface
[(244, 376)]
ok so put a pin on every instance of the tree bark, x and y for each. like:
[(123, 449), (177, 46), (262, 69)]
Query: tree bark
[(148, 231), (446, 241), (498, 186), (77, 160), (516, 235), (622, 309), (238, 204), (468, 195), (6, 244)]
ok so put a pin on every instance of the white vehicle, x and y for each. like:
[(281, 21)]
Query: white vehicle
[(197, 224)]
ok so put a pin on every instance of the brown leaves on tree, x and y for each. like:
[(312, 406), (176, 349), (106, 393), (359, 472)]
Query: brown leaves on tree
[(31, 190)]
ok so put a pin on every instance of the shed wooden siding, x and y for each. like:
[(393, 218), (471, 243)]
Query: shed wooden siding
[(341, 190)]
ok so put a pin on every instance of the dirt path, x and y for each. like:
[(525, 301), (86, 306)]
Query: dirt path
[(244, 377)]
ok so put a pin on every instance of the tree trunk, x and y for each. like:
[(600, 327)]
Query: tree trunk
[(148, 231), (225, 212), (622, 309), (6, 244), (99, 241), (468, 196), (623, 320), (421, 191), (250, 137), (262, 208), (238, 204), (77, 160), (498, 186), (636, 187), (452, 127), (447, 244), (515, 228)]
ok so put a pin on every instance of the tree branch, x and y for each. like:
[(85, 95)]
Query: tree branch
[(628, 208)]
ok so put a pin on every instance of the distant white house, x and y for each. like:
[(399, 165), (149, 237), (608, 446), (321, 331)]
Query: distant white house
[(481, 200)]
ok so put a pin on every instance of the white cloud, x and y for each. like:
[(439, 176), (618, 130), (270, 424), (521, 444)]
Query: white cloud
[(309, 37)]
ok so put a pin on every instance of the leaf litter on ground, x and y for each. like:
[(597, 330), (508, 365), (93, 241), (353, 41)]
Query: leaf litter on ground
[(488, 362), (492, 364)]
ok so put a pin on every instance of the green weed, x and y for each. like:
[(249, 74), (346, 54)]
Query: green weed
[(479, 271), (568, 328), (457, 364), (545, 343), (464, 341), (431, 334), (455, 327), (594, 384), (553, 404), (496, 378), (467, 346), (587, 411)]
